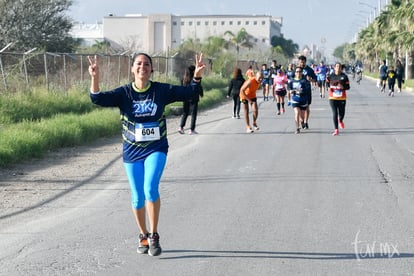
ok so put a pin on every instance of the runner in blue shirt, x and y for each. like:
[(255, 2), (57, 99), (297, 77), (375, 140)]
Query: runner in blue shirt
[(383, 75), (144, 132), (321, 72), (310, 75), (299, 91), (265, 82)]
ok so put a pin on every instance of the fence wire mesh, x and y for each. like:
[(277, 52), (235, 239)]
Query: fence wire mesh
[(61, 71)]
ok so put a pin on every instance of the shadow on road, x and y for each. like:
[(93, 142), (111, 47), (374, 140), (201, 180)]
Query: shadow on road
[(64, 191), (194, 254)]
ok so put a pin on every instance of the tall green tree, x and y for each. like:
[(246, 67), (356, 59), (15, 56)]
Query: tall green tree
[(241, 39), (390, 35), (42, 24), (338, 52), (288, 46), (401, 20), (101, 46), (214, 46)]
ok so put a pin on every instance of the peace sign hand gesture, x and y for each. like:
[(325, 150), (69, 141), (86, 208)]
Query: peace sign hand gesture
[(93, 66), (199, 67), (94, 73)]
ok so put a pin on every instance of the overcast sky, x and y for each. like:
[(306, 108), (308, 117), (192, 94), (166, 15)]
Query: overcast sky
[(306, 22)]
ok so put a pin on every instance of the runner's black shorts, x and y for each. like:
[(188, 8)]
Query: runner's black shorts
[(246, 101), (281, 93)]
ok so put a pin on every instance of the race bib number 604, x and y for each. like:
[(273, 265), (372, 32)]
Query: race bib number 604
[(147, 132)]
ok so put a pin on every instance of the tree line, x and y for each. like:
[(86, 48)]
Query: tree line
[(40, 24), (45, 25), (389, 37)]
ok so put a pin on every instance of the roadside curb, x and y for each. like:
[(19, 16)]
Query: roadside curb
[(406, 88)]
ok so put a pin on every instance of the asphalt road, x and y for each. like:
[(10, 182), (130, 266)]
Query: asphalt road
[(267, 203)]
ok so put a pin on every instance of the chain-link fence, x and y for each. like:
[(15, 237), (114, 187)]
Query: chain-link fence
[(57, 72), (21, 72), (61, 71)]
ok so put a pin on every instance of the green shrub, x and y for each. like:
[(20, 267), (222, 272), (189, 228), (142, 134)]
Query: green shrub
[(29, 139), (18, 143), (409, 83), (36, 105), (37, 121)]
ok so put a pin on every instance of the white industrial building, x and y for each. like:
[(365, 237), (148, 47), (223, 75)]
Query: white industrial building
[(89, 33), (159, 32)]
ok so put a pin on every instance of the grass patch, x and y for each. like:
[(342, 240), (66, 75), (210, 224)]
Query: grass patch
[(37, 121), (28, 139), (39, 104), (409, 84)]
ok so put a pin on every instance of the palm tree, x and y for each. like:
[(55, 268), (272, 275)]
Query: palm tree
[(102, 46), (288, 46), (190, 44), (391, 22), (404, 18), (242, 38), (366, 46), (391, 33), (214, 46)]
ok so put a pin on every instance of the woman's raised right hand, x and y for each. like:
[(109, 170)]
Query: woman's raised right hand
[(93, 66)]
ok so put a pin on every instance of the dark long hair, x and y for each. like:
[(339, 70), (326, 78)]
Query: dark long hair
[(237, 73), (141, 54), (188, 75)]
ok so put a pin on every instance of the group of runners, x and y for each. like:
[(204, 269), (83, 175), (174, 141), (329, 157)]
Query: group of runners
[(390, 75), (295, 83), (142, 103)]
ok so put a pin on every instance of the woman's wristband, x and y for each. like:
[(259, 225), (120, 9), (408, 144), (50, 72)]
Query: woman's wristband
[(197, 78)]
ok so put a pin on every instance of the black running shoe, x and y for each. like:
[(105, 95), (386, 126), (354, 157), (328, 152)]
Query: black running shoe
[(154, 245), (143, 244)]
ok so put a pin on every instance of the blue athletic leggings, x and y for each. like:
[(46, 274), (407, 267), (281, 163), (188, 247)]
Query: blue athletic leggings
[(144, 178)]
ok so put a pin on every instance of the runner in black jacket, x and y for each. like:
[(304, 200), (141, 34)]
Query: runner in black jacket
[(235, 84)]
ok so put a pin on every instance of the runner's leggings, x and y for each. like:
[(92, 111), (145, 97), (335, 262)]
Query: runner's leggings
[(338, 111), (144, 178)]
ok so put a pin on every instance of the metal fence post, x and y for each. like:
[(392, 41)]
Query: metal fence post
[(25, 69), (64, 73), (46, 71), (81, 67), (1, 64), (25, 65), (2, 73)]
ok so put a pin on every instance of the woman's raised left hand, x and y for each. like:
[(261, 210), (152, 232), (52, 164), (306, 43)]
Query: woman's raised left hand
[(199, 67)]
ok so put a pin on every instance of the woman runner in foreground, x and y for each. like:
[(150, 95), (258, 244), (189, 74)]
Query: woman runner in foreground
[(338, 83), (141, 104)]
